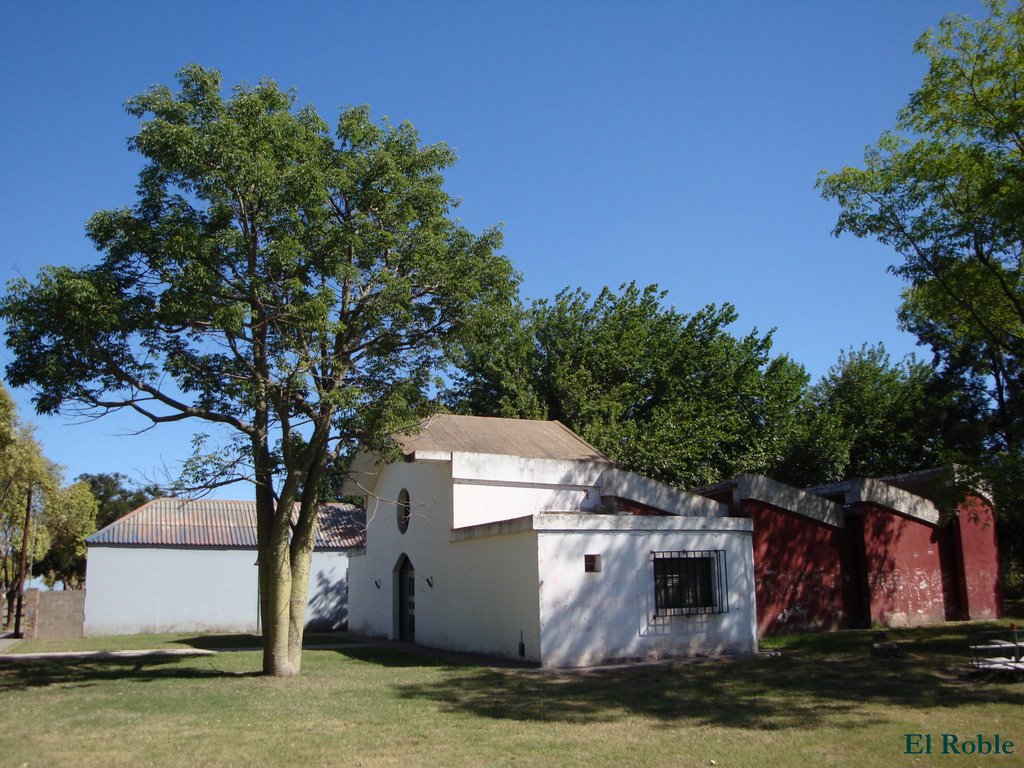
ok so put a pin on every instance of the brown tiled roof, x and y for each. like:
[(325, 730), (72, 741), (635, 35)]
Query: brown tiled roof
[(173, 522), (507, 437)]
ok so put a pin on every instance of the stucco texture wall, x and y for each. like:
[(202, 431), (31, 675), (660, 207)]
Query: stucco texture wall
[(590, 618), (805, 571), (981, 591), (143, 590), (373, 578), (904, 569)]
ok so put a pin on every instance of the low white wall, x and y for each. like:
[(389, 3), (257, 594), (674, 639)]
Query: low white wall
[(590, 618), (487, 601), (136, 590), (143, 590)]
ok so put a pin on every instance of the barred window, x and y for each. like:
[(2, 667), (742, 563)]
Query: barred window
[(690, 583)]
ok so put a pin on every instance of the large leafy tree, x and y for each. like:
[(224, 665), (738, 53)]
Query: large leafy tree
[(945, 190), (293, 288), (671, 395)]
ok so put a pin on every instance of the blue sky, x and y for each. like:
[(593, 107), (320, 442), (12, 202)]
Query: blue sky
[(674, 143)]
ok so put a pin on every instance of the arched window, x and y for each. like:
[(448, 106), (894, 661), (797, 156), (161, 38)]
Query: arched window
[(404, 510)]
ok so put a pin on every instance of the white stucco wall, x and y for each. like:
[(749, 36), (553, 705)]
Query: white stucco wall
[(495, 567), (372, 577), (132, 590), (489, 488), (496, 605), (141, 590), (327, 594), (476, 595), (589, 618)]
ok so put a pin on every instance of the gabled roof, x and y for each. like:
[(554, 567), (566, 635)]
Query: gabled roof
[(507, 437), (173, 522)]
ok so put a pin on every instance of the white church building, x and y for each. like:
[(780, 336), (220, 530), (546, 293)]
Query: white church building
[(518, 539)]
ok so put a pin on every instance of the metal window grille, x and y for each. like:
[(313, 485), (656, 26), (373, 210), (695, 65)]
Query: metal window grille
[(690, 583)]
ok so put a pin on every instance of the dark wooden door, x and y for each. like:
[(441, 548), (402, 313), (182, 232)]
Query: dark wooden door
[(407, 602)]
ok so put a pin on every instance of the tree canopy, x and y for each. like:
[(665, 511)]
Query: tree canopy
[(59, 518), (116, 495), (294, 286), (672, 395), (945, 190), (897, 417), (678, 397), (68, 516)]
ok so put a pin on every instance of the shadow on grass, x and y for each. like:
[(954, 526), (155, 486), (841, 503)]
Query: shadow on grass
[(227, 642), (798, 689), (38, 673), (391, 657), (221, 642)]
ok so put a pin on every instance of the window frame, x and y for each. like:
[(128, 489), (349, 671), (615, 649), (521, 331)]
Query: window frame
[(690, 582)]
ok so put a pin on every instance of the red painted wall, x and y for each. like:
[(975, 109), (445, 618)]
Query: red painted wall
[(881, 568), (903, 568), (980, 588), (803, 571), (630, 507)]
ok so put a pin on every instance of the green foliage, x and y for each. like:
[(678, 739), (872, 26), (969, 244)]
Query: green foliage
[(674, 396), (116, 495), (677, 397), (68, 517), (297, 288), (945, 191), (897, 417), (23, 468)]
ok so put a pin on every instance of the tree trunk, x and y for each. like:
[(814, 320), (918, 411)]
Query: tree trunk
[(12, 601), (284, 603), (286, 548), (275, 628), (297, 605)]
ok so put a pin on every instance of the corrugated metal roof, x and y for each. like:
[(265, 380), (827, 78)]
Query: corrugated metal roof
[(172, 522), (507, 437)]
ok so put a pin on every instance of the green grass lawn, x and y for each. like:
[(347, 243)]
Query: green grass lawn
[(822, 701)]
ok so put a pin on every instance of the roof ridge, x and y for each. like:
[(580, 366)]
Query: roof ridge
[(125, 517)]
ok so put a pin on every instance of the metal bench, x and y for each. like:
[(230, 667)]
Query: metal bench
[(997, 650)]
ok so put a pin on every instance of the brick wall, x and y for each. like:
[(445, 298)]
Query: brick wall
[(53, 614)]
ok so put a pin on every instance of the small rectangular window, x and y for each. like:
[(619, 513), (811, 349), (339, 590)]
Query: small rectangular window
[(690, 583), (592, 563)]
